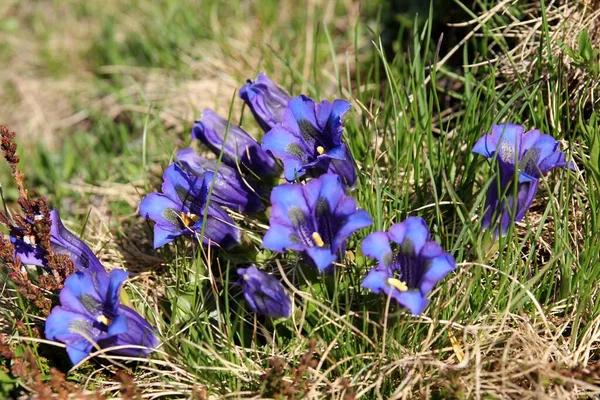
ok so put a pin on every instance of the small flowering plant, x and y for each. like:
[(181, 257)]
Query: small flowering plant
[(309, 139), (316, 219), (266, 100), (182, 209), (522, 157), (409, 263), (264, 294), (91, 315)]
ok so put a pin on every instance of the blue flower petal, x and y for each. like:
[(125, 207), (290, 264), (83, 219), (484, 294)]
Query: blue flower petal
[(112, 290), (555, 160), (301, 108), (431, 250), (358, 220), (78, 285), (287, 197), (377, 245), (65, 242), (165, 235), (184, 188), (280, 237), (118, 325), (525, 196), (413, 300), (322, 257), (411, 235), (529, 140), (486, 146), (161, 210), (66, 326), (346, 169), (220, 228), (437, 268), (139, 332), (266, 100), (288, 147), (376, 280)]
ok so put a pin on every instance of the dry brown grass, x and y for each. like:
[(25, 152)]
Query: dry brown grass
[(565, 20)]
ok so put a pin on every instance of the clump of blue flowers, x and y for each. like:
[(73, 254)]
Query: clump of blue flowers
[(522, 158)]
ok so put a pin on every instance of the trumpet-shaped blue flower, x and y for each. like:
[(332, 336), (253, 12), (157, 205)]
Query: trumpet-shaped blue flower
[(409, 263), (230, 189), (91, 315), (522, 157), (264, 293), (309, 139), (266, 100), (181, 210), (240, 150), (315, 219), (62, 241)]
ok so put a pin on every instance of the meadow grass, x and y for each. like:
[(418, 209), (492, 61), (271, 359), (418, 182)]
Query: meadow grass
[(519, 317)]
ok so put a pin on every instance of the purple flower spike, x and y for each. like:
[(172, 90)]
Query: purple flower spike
[(90, 311), (180, 210), (409, 263), (309, 138), (264, 294), (230, 189), (62, 242), (315, 219), (240, 148), (526, 155), (266, 100)]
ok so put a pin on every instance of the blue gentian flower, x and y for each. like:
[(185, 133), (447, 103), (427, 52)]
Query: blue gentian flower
[(409, 263), (230, 189), (309, 139), (266, 100), (525, 156), (264, 293), (91, 314), (315, 219), (62, 242), (180, 210), (240, 149)]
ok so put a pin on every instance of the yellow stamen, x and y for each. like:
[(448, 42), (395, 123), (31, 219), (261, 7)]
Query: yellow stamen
[(318, 239), (189, 218), (320, 149), (398, 284), (103, 320)]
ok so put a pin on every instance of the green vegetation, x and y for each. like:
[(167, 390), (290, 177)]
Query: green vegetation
[(102, 95)]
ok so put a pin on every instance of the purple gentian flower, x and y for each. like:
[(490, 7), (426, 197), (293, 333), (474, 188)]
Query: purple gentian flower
[(91, 314), (309, 138), (264, 293), (266, 100), (240, 149), (230, 189), (315, 219), (180, 210), (62, 242), (531, 154), (410, 267)]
